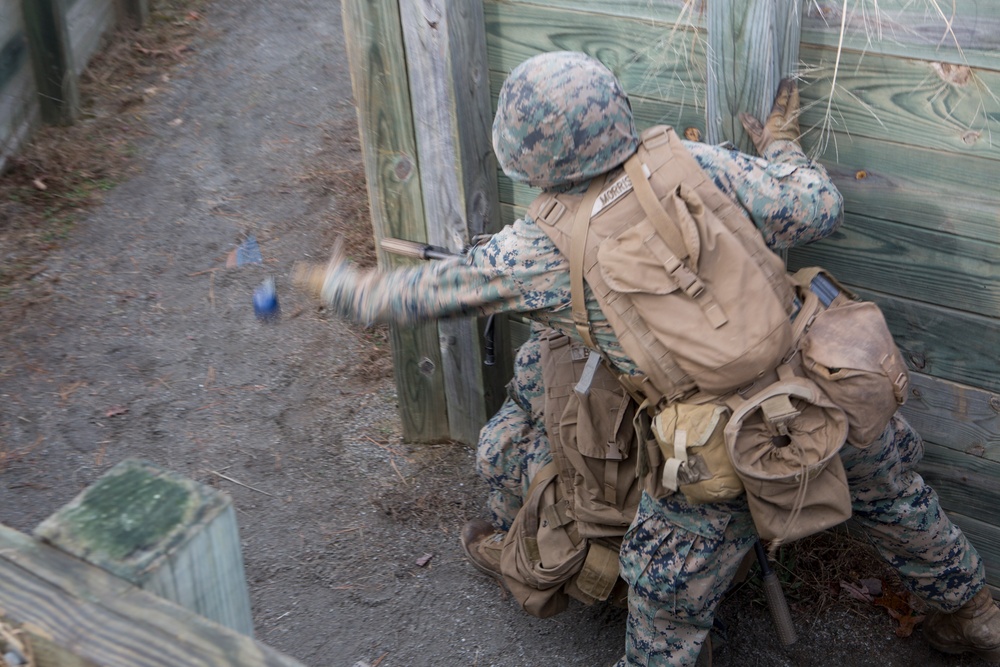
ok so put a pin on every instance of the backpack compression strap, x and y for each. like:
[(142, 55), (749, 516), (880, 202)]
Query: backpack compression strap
[(581, 229)]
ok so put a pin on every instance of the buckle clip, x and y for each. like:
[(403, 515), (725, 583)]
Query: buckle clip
[(551, 211)]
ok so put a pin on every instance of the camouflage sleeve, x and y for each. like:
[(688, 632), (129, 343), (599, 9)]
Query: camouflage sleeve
[(790, 198), (512, 272)]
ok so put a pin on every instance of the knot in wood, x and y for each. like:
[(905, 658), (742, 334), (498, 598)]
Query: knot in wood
[(426, 367), (403, 168)]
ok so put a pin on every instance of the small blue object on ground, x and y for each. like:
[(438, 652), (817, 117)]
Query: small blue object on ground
[(265, 301), (248, 252)]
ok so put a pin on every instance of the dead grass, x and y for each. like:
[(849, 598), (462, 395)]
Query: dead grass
[(63, 171), (818, 573), (428, 496)]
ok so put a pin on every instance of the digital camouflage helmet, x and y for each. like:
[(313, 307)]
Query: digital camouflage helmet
[(562, 117)]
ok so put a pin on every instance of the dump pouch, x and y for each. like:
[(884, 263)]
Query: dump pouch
[(541, 552), (783, 443)]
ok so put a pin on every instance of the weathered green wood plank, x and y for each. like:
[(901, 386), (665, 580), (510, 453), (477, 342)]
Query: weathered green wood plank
[(680, 115), (416, 354), (509, 213), (904, 101), (81, 615), (964, 482), (910, 28), (955, 416), (933, 267), (904, 28), (753, 44), (446, 58), (892, 181), (948, 344), (88, 23), (982, 531), (162, 532), (896, 99), (374, 44), (650, 59), (661, 11), (52, 60)]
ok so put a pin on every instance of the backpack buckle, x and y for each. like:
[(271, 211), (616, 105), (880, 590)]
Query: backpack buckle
[(656, 136), (551, 211)]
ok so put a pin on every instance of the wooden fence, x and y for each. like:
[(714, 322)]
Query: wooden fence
[(142, 569), (44, 46), (901, 104)]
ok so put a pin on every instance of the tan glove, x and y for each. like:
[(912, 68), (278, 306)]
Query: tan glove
[(312, 277), (783, 123)]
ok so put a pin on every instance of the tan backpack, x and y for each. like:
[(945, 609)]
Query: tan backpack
[(671, 260)]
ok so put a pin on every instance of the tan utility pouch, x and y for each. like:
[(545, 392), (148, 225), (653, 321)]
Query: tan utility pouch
[(848, 352), (783, 443), (564, 541), (693, 445), (588, 418)]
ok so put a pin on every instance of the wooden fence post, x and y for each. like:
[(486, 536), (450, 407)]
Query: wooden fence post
[(162, 532), (751, 46), (374, 42), (449, 89), (74, 614), (52, 60)]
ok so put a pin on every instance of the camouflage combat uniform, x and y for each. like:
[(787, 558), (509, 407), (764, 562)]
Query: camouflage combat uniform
[(677, 558)]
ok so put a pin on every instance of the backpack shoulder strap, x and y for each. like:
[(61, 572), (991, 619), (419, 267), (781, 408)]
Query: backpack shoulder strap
[(578, 247)]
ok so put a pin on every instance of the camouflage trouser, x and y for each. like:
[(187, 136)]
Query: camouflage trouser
[(678, 558), (513, 446)]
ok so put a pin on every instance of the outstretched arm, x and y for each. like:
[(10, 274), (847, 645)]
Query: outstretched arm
[(511, 272)]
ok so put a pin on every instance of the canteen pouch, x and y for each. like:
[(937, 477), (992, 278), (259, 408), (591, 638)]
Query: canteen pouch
[(848, 351), (693, 446)]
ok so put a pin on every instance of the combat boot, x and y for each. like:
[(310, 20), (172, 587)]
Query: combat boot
[(973, 628), (482, 544)]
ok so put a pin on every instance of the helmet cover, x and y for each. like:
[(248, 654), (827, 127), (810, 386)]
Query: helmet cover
[(562, 118)]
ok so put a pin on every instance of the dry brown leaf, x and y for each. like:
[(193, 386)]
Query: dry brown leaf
[(898, 606)]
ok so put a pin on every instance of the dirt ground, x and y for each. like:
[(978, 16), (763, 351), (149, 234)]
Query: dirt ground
[(125, 335)]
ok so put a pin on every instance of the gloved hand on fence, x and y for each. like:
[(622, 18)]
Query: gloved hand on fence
[(782, 123)]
